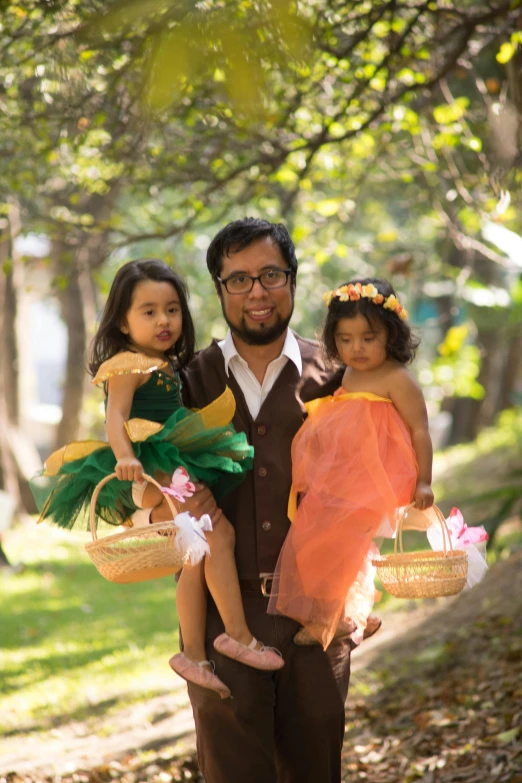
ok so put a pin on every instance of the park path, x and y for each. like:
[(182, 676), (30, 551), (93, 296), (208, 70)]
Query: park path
[(159, 721), (165, 719), (436, 697)]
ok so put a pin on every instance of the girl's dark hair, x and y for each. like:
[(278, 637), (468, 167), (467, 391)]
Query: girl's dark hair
[(110, 340), (239, 234), (401, 344)]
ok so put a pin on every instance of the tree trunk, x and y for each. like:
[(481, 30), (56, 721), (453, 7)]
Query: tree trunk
[(510, 372), (8, 395), (17, 452), (74, 316), (461, 408), (470, 415), (79, 313), (12, 284)]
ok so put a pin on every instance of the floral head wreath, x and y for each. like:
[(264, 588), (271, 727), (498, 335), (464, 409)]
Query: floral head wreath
[(355, 291)]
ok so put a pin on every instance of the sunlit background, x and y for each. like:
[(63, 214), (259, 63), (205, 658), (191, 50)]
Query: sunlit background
[(386, 135)]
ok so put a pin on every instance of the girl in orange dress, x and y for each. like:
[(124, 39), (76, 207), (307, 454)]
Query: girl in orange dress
[(360, 455)]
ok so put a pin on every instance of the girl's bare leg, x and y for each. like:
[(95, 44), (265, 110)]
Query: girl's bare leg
[(191, 664), (191, 591), (191, 601), (223, 583), (220, 576), (155, 499)]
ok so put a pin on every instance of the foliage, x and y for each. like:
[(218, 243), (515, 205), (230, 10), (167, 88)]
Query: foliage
[(473, 476), (384, 133), (297, 103), (457, 368)]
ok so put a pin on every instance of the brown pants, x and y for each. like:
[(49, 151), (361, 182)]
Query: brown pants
[(282, 727)]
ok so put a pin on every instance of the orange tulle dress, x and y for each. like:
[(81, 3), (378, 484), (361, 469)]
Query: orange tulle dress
[(353, 466)]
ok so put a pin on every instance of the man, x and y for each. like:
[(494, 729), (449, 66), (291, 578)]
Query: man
[(286, 726)]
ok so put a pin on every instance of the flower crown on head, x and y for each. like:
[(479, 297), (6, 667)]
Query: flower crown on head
[(355, 291)]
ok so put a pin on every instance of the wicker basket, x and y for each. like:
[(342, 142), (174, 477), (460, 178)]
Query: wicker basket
[(423, 574), (139, 553)]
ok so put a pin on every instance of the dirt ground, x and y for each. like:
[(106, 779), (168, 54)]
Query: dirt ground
[(164, 725)]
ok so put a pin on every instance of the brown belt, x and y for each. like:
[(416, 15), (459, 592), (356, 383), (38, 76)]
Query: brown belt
[(262, 585)]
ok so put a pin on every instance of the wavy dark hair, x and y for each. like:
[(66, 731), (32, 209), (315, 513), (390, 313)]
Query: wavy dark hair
[(401, 344), (239, 234), (110, 340)]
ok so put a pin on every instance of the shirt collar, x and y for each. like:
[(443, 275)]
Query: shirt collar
[(290, 350)]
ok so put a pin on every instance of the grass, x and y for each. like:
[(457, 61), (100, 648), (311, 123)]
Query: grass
[(73, 646), (71, 643), (491, 465)]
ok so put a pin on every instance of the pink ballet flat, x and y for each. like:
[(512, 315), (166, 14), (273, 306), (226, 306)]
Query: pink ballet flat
[(267, 658), (199, 674)]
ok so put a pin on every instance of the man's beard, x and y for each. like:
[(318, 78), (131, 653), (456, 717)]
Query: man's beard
[(262, 336)]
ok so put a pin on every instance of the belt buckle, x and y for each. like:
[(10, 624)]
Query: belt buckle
[(265, 578)]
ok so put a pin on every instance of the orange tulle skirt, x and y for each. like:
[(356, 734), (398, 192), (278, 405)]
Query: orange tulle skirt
[(353, 466)]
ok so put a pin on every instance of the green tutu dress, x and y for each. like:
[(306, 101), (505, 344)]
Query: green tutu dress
[(165, 436)]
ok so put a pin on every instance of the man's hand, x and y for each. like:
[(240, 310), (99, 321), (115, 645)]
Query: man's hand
[(202, 502), (129, 469)]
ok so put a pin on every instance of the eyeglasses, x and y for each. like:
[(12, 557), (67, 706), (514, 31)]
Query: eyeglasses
[(243, 284)]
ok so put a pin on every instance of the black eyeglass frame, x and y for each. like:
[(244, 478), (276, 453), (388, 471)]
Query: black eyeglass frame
[(286, 272)]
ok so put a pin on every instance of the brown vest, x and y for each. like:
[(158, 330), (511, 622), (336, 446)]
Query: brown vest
[(257, 508)]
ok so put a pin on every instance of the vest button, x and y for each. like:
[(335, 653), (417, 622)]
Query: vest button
[(262, 472), (266, 526), (261, 430)]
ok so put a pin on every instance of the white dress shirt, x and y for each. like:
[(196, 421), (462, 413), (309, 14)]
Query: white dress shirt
[(255, 393)]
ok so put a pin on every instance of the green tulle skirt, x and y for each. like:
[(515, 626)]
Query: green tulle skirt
[(219, 457)]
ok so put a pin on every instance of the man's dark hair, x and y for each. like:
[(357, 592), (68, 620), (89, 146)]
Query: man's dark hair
[(401, 344), (239, 234)]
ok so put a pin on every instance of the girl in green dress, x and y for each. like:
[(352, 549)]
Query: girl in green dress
[(145, 336)]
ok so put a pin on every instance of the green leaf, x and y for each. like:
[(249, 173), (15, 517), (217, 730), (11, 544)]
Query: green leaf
[(446, 114), (506, 737), (387, 236), (454, 340), (328, 207), (435, 652), (474, 144), (336, 130), (505, 53)]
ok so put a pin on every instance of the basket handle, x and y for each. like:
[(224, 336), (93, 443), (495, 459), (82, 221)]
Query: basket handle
[(101, 484), (446, 538)]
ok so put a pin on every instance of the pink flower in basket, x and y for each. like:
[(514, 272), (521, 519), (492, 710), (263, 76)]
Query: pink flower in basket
[(470, 539), (461, 533), (181, 486)]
